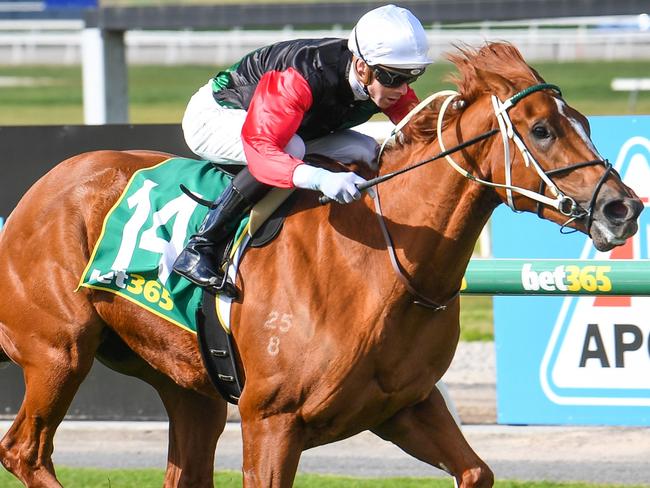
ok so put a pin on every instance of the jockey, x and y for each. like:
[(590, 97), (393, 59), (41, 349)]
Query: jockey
[(294, 98)]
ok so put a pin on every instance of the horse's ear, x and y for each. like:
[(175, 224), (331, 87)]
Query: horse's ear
[(496, 84)]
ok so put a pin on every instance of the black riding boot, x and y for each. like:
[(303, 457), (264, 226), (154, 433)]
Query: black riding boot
[(200, 262)]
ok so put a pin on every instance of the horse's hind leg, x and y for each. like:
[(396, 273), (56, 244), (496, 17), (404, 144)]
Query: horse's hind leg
[(428, 432), (195, 424), (55, 361), (195, 421)]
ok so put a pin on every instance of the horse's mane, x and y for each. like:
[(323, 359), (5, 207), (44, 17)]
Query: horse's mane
[(479, 70)]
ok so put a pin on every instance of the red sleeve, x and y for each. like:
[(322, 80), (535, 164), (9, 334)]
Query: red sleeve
[(274, 115), (403, 106)]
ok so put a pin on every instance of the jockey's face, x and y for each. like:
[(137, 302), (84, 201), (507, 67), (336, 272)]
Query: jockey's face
[(383, 96)]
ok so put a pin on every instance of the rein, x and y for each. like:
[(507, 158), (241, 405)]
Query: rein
[(564, 204)]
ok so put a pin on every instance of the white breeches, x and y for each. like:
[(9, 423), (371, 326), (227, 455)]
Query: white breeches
[(213, 132)]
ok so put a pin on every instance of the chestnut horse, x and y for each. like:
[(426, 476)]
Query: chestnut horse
[(329, 336)]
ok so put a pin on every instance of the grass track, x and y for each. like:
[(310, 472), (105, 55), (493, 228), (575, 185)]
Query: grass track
[(150, 478)]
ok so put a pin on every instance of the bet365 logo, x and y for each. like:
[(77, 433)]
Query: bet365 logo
[(567, 278), (599, 350)]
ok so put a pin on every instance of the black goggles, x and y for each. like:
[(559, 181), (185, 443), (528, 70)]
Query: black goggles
[(393, 78)]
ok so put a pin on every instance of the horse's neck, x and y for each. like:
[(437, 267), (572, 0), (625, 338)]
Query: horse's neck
[(435, 217)]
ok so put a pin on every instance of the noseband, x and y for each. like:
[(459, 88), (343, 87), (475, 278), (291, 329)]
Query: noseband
[(575, 211)]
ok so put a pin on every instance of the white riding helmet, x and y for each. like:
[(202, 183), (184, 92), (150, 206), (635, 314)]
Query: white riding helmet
[(391, 36)]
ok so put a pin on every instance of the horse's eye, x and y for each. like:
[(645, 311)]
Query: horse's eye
[(541, 132)]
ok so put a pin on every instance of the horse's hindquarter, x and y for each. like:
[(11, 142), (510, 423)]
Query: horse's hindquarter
[(76, 194), (326, 332), (167, 348), (55, 333), (48, 237), (45, 246)]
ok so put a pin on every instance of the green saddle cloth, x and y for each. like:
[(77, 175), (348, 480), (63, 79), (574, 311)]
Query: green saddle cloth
[(145, 231)]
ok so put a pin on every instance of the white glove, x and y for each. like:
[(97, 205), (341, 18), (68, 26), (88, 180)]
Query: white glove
[(337, 186)]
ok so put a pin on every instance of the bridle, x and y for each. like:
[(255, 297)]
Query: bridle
[(566, 205)]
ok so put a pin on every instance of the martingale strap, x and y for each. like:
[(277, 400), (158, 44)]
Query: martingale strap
[(420, 299)]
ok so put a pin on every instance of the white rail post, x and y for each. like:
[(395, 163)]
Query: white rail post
[(105, 94), (632, 85)]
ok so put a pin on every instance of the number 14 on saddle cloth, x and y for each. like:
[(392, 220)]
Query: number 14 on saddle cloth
[(144, 232)]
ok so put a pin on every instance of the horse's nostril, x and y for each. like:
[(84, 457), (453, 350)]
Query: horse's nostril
[(620, 210), (616, 210)]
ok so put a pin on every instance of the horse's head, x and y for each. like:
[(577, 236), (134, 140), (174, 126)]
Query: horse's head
[(542, 158)]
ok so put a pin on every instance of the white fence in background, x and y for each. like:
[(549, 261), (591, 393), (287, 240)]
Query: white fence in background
[(602, 38)]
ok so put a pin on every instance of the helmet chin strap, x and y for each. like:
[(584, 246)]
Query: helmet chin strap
[(359, 88), (356, 40)]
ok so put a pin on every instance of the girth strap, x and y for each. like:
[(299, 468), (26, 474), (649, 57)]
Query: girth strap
[(217, 351)]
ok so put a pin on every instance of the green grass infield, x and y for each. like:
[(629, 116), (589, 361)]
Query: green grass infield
[(158, 94)]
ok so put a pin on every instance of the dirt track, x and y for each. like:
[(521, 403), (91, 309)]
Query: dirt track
[(471, 382), (596, 454), (592, 454)]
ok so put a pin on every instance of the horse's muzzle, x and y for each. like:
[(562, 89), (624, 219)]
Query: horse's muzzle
[(614, 221)]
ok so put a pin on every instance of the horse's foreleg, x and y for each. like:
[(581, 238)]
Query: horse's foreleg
[(272, 448), (428, 432), (53, 370)]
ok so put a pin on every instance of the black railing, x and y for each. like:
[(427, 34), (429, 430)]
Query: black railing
[(274, 15)]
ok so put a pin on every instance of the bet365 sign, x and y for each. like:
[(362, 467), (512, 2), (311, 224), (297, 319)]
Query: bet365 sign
[(577, 359)]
